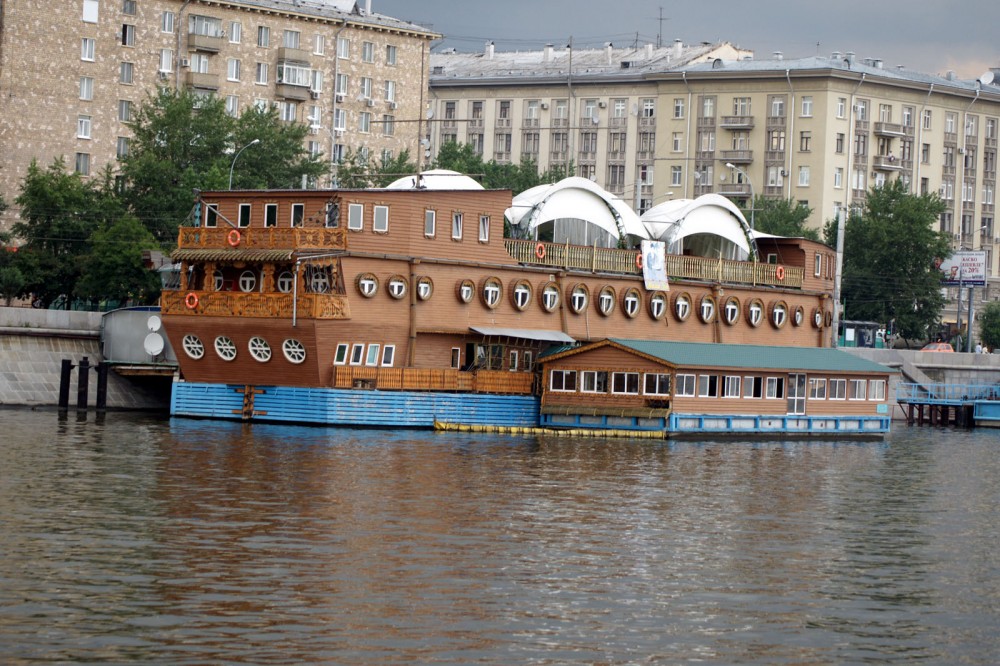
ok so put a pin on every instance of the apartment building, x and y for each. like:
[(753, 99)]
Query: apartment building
[(73, 72), (710, 118)]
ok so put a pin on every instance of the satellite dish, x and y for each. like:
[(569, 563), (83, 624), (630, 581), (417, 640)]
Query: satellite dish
[(430, 113), (153, 323), (635, 109), (986, 78), (153, 344)]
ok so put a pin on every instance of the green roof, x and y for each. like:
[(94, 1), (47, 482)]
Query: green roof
[(763, 357)]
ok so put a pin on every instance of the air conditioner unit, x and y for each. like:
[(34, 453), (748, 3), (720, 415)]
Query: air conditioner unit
[(545, 105), (338, 133), (164, 75), (371, 102), (314, 129), (340, 97), (185, 62), (602, 104), (393, 105), (314, 94)]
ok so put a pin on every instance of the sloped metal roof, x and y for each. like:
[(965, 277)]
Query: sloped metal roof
[(232, 254), (523, 333), (752, 357)]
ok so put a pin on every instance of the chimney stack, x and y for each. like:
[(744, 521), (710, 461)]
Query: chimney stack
[(489, 50)]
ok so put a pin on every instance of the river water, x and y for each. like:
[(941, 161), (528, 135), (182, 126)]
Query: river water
[(132, 539)]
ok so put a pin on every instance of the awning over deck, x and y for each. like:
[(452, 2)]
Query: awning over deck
[(227, 254), (539, 334)]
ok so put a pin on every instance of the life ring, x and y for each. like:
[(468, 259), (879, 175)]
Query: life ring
[(779, 272), (540, 251), (638, 260), (191, 300), (233, 237)]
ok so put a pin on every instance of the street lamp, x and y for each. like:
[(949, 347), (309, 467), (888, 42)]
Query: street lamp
[(233, 166), (750, 183)]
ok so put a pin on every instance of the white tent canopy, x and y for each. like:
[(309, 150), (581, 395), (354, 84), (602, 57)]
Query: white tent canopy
[(435, 179), (568, 203), (710, 225)]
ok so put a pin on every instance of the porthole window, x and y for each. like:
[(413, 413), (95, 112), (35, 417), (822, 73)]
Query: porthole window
[(817, 318), (425, 288), (293, 350), (657, 305), (396, 286), (259, 349), (550, 297), (466, 290), (492, 289), (193, 346), (521, 295), (606, 301), (731, 311), (218, 280), (285, 281), (225, 348), (706, 311), (319, 280), (798, 316), (248, 280), (779, 314), (578, 298), (682, 306), (631, 302), (367, 284), (755, 312)]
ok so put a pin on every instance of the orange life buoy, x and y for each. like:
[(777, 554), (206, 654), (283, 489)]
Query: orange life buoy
[(779, 272), (191, 300), (638, 260), (540, 251), (233, 238)]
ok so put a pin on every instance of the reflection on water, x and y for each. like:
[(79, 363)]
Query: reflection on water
[(181, 541)]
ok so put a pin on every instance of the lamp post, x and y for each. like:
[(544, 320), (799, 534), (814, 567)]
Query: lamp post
[(235, 157), (750, 183)]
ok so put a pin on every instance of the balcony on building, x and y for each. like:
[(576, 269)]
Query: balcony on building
[(290, 91), (734, 189), (889, 129), (289, 54), (736, 122), (208, 43), (887, 163), (647, 121), (202, 81), (736, 156), (776, 122), (706, 122), (774, 157)]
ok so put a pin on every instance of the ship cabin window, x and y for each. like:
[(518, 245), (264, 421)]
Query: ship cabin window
[(298, 214), (708, 386), (772, 258), (456, 226), (838, 389), (373, 351), (357, 354), (484, 228), (731, 386), (818, 264), (456, 357), (656, 383), (753, 387), (355, 217), (857, 389), (380, 224), (332, 211), (817, 389), (218, 280), (212, 215), (512, 366), (248, 280), (595, 381), (685, 386), (340, 358), (776, 387), (388, 355), (430, 223), (244, 215), (625, 383), (285, 281), (563, 380), (270, 215), (528, 362), (876, 390)]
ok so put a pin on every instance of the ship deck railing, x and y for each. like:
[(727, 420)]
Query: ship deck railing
[(254, 304), (946, 394), (616, 260), (267, 238), (434, 379)]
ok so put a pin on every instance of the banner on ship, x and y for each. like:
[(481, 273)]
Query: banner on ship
[(654, 269)]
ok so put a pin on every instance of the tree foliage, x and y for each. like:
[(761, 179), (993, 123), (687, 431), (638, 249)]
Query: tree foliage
[(354, 172), (889, 252), (493, 175), (114, 269), (989, 325), (781, 217), (183, 142)]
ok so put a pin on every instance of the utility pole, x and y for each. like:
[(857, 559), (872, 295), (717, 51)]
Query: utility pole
[(837, 275)]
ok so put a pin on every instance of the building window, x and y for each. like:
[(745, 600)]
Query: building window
[(594, 381), (124, 110), (838, 389), (261, 77), (128, 35), (807, 106), (625, 383), (366, 87), (380, 221), (775, 388), (367, 52), (122, 148), (927, 119), (83, 127), (656, 384), (430, 223), (235, 32), (685, 385), (708, 386), (263, 36), (817, 389), (841, 107), (388, 125), (390, 55), (838, 177), (90, 11), (876, 390), (291, 39), (298, 214), (87, 46), (125, 73), (484, 228), (82, 164), (86, 88), (233, 105), (562, 380), (856, 389), (319, 45), (678, 107), (355, 217), (805, 141), (731, 386), (357, 354), (343, 48), (803, 176), (364, 122), (233, 67), (167, 22), (456, 226), (753, 387)]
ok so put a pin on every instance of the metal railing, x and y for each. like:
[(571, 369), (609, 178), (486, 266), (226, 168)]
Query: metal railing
[(254, 304), (946, 394), (430, 379)]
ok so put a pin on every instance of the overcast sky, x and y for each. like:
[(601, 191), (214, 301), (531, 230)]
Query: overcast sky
[(930, 36)]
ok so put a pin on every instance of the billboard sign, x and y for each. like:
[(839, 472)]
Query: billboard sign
[(967, 269)]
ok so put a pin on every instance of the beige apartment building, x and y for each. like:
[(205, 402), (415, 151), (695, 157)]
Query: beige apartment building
[(72, 73), (710, 118)]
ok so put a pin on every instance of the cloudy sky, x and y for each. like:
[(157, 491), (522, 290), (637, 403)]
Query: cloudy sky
[(932, 36)]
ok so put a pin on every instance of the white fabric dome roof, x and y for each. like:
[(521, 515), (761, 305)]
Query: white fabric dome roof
[(436, 179), (712, 214), (574, 198)]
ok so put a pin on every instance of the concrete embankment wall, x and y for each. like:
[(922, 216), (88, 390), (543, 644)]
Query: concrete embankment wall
[(33, 344)]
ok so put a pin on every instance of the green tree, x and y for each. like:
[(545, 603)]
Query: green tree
[(989, 324), (889, 252), (114, 269), (781, 217), (354, 172), (59, 211), (460, 157), (184, 142)]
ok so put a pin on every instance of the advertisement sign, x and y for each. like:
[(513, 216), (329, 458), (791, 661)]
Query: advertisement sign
[(654, 269), (967, 268)]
